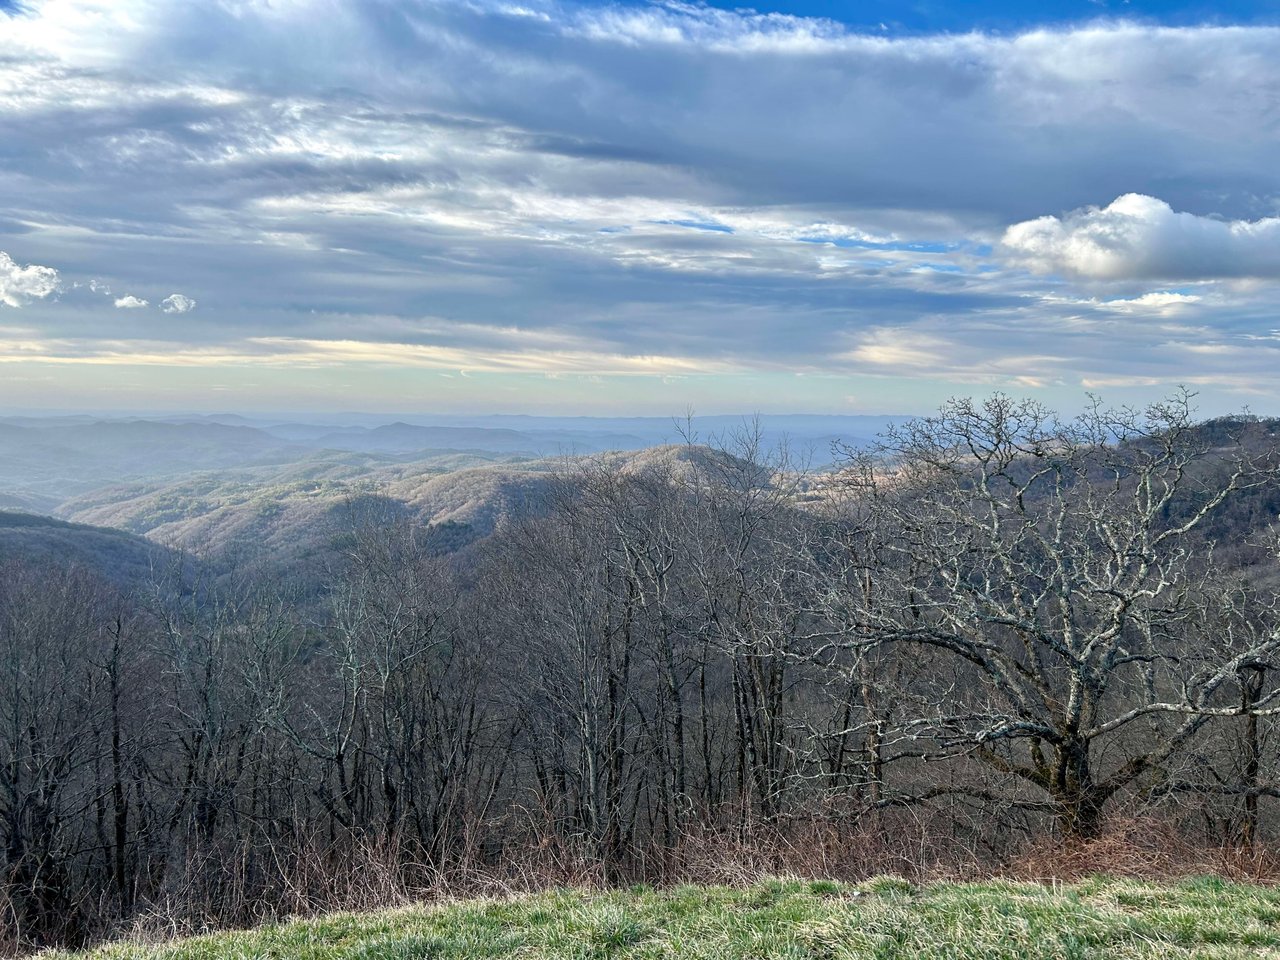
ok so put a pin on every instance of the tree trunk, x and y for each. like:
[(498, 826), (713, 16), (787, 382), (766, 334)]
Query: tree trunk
[(1079, 799), (1251, 686)]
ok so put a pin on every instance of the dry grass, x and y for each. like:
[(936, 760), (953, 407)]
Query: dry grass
[(883, 918), (248, 887)]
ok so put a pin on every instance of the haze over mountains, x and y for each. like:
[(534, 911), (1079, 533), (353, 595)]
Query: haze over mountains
[(270, 486)]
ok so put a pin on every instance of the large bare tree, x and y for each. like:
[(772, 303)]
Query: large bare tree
[(1061, 568)]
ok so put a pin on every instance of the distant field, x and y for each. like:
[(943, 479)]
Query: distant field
[(787, 920)]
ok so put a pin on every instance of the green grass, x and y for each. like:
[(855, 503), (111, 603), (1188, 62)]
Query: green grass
[(785, 920)]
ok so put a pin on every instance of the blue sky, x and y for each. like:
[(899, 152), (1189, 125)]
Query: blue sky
[(959, 16), (548, 206)]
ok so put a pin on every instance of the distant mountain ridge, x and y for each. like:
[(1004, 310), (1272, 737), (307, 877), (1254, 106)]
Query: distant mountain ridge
[(285, 492), (282, 513), (46, 461), (265, 494)]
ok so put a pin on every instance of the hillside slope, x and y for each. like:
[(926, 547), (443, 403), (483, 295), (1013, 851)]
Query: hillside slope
[(1098, 919), (113, 554), (298, 509)]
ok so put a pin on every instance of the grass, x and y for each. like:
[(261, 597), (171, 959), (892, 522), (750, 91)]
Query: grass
[(1097, 919)]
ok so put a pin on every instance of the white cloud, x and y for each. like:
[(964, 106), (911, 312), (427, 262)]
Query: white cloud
[(1160, 303), (131, 303), (1140, 237), (20, 285), (177, 303)]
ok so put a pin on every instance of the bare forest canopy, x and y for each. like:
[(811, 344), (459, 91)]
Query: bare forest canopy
[(990, 629)]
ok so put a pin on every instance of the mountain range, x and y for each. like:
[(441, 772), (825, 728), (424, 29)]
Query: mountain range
[(108, 490)]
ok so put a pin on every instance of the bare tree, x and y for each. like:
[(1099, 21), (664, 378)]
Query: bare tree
[(51, 633), (1059, 564)]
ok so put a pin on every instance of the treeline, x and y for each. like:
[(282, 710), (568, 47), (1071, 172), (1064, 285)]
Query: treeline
[(995, 627)]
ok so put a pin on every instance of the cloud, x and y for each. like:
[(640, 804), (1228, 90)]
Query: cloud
[(955, 355), (20, 285), (898, 349), (1137, 237), (631, 180), (290, 352), (130, 303), (176, 303), (1160, 302)]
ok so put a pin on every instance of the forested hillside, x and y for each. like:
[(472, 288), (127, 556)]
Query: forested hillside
[(126, 561), (994, 634)]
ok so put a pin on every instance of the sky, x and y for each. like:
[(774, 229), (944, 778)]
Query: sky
[(636, 208)]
